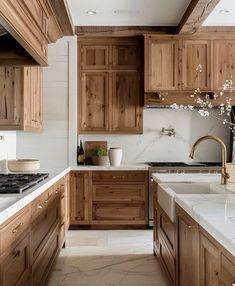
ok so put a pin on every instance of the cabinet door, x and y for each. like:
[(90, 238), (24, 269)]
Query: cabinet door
[(126, 57), (126, 103), (196, 65), (161, 65), (95, 57), (187, 252), (209, 262), (224, 62), (94, 102), (227, 274), (32, 98), (15, 266), (10, 95), (79, 197)]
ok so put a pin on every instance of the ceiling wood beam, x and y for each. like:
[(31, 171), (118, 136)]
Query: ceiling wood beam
[(195, 15), (122, 31)]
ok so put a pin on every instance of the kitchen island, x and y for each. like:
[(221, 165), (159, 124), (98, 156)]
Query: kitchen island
[(198, 247)]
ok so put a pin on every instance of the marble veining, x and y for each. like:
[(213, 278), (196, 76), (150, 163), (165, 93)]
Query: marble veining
[(116, 258)]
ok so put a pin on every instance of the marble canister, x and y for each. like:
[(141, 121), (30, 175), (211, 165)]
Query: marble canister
[(115, 156)]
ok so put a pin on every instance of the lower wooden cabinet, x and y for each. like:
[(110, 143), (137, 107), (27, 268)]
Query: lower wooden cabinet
[(209, 262), (109, 198), (188, 255), (15, 264), (31, 239), (201, 260)]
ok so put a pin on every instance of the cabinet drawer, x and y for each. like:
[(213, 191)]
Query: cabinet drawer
[(167, 258), (118, 177), (119, 193), (14, 228), (167, 229), (134, 213), (43, 264), (15, 265), (43, 225)]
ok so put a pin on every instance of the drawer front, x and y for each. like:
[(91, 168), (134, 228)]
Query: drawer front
[(15, 264), (167, 259), (119, 193), (15, 228), (166, 227), (43, 264), (118, 177), (119, 213), (43, 225)]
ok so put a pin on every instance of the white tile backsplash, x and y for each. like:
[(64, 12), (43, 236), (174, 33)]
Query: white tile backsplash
[(153, 146), (7, 147)]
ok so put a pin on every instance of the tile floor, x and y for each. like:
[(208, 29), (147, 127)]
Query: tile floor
[(108, 258)]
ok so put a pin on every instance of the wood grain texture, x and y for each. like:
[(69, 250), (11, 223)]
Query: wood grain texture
[(161, 64), (195, 15), (122, 31), (195, 53)]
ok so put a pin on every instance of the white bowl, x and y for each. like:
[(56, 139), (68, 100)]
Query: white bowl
[(23, 165)]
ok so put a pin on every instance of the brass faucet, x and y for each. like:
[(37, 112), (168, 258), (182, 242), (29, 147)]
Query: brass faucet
[(224, 174)]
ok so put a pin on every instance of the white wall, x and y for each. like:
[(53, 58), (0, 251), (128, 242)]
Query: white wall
[(51, 146), (153, 146), (7, 147)]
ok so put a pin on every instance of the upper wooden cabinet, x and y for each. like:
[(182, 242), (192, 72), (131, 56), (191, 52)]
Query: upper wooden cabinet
[(21, 98), (127, 113), (224, 62), (36, 23), (109, 97), (161, 64), (196, 65), (95, 57)]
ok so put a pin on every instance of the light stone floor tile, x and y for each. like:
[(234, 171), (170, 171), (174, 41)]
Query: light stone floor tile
[(108, 258)]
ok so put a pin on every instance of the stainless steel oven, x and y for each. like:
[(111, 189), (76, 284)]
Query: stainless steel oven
[(177, 167)]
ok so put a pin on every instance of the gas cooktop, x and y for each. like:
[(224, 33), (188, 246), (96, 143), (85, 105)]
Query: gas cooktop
[(18, 183), (183, 164)]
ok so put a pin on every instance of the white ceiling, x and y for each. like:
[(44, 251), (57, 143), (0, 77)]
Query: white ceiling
[(217, 19), (130, 12)]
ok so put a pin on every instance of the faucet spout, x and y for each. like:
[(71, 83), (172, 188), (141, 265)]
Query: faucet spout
[(224, 174)]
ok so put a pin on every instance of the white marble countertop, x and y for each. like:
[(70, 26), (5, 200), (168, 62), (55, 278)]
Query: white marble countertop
[(214, 212), (122, 167)]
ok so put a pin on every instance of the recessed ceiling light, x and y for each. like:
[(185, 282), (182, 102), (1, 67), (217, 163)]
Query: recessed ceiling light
[(90, 12), (223, 11)]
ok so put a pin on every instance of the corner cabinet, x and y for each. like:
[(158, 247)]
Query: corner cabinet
[(21, 98), (109, 97)]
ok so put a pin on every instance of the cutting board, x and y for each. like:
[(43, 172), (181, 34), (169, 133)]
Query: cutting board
[(90, 146)]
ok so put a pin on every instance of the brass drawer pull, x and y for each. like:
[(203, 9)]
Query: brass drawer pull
[(40, 206), (233, 283), (114, 177), (15, 230)]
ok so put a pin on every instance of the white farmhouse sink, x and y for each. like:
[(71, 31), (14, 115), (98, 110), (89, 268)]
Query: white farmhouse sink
[(167, 192)]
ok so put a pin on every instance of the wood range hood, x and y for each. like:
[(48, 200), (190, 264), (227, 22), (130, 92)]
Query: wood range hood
[(11, 52)]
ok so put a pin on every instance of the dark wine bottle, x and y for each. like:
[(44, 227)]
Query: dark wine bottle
[(80, 154)]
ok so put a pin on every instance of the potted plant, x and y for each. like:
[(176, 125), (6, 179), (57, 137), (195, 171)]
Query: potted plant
[(100, 157)]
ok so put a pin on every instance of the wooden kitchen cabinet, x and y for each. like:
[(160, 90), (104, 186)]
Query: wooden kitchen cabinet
[(126, 103), (188, 250), (195, 53), (94, 102), (227, 275), (15, 264), (161, 64), (224, 62), (21, 98), (155, 218), (95, 57), (109, 97), (209, 261), (80, 207)]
